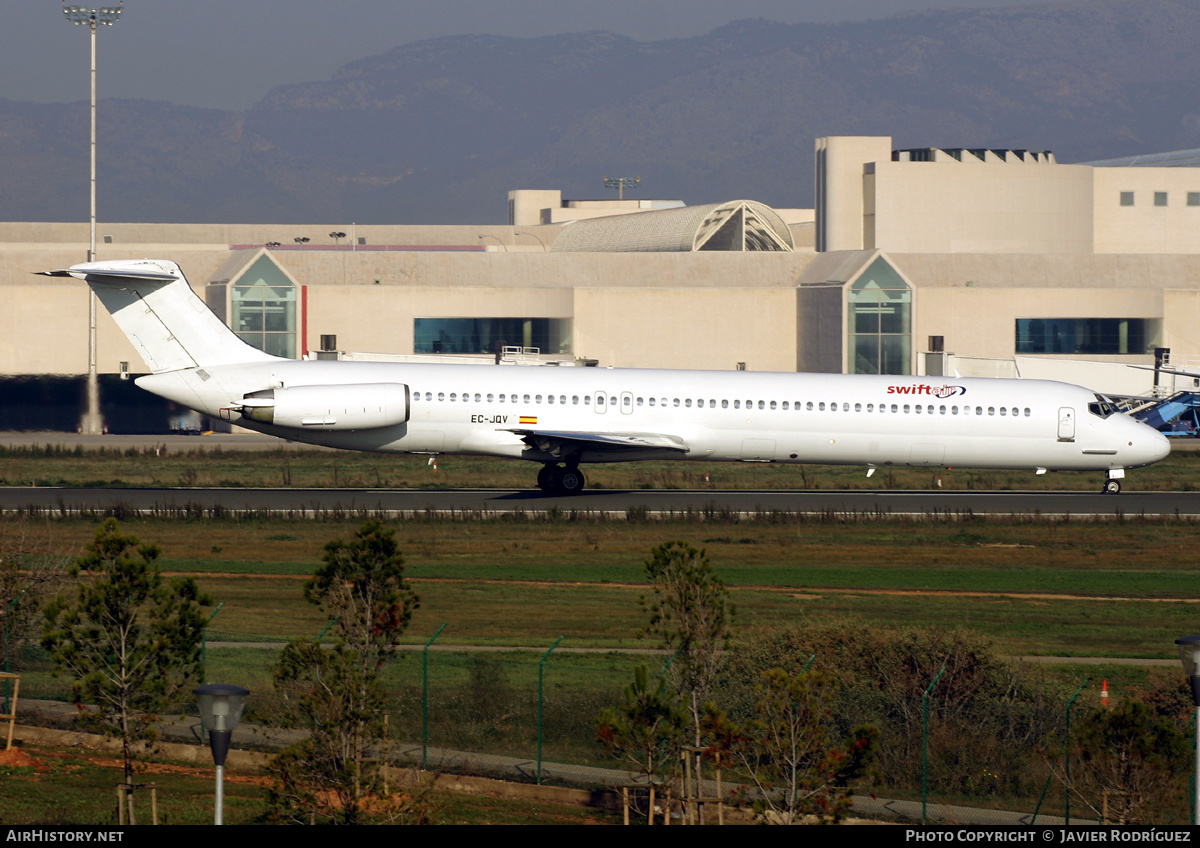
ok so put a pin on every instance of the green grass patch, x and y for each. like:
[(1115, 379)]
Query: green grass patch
[(506, 583)]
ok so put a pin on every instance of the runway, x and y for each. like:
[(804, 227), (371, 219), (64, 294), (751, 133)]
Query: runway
[(611, 503)]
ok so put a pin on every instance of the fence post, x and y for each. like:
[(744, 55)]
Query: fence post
[(1195, 722), (8, 646), (1067, 739), (204, 644), (425, 696), (925, 744), (1067, 776), (542, 704)]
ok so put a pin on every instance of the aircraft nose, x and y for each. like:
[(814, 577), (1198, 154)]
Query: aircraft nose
[(1162, 446), (1150, 445)]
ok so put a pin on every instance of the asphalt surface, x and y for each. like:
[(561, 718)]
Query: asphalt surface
[(613, 503)]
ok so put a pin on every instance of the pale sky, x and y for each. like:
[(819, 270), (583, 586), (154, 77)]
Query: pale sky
[(228, 53)]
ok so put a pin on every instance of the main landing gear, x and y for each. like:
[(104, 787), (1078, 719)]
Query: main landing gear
[(556, 480)]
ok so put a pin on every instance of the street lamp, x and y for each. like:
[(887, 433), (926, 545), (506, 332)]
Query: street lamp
[(337, 236), (533, 235), (220, 708), (497, 238), (106, 16), (301, 240), (1189, 654)]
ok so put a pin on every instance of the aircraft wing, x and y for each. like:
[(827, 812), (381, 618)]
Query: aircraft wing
[(546, 440)]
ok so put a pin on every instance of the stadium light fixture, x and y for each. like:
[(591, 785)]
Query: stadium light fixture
[(105, 16)]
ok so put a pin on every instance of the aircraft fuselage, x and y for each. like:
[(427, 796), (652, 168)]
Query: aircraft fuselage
[(723, 416)]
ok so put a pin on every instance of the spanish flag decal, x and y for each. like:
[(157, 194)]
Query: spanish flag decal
[(528, 419)]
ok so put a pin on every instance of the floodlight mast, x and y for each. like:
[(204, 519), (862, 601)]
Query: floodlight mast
[(93, 18), (621, 183), (105, 16)]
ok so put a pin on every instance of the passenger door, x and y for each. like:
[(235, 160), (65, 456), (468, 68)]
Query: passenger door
[(1066, 424)]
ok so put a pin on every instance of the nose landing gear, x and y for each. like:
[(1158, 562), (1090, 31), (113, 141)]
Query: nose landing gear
[(557, 480), (1111, 487)]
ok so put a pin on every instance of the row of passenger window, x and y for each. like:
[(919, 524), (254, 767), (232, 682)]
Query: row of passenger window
[(810, 406)]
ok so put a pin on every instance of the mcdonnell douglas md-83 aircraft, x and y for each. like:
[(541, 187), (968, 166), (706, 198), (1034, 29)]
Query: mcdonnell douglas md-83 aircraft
[(566, 417)]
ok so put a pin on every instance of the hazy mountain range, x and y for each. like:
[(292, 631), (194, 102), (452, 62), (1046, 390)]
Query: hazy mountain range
[(437, 131)]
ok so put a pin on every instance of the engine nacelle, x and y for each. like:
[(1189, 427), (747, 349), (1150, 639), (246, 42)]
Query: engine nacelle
[(360, 406)]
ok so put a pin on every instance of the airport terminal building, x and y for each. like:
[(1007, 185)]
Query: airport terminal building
[(978, 262)]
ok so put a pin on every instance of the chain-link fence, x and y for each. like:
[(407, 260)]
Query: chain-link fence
[(531, 715)]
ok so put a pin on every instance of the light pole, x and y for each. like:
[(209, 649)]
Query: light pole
[(497, 238), (622, 183), (1189, 654), (220, 709), (533, 235), (106, 16)]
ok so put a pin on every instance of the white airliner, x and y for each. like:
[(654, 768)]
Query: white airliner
[(566, 417)]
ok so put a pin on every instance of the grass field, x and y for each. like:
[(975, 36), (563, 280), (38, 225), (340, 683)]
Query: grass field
[(1110, 588), (53, 786), (1120, 589)]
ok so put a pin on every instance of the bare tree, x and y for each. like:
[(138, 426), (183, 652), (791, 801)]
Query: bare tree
[(31, 568), (1126, 757), (794, 768)]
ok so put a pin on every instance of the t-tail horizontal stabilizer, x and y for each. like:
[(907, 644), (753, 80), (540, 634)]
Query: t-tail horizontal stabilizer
[(154, 306)]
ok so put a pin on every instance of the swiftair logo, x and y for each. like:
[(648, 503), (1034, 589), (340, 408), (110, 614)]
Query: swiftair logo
[(926, 389)]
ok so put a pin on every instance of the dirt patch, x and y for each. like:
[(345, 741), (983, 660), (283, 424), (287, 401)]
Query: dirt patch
[(153, 768), (17, 758)]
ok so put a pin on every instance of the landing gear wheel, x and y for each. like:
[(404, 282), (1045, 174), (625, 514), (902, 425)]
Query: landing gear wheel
[(570, 481), (548, 478), (1112, 487)]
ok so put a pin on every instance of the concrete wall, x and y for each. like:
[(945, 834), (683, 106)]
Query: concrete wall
[(996, 205), (651, 310), (677, 310), (971, 206), (840, 162), (1145, 227), (979, 321), (379, 319), (713, 328)]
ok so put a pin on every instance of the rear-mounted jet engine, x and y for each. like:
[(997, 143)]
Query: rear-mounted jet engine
[(362, 406)]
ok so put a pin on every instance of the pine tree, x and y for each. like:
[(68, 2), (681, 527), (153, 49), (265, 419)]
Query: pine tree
[(335, 693), (130, 640)]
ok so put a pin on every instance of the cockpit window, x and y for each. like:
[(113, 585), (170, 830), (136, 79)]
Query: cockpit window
[(1102, 408)]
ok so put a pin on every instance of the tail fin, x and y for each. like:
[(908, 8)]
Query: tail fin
[(155, 307)]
